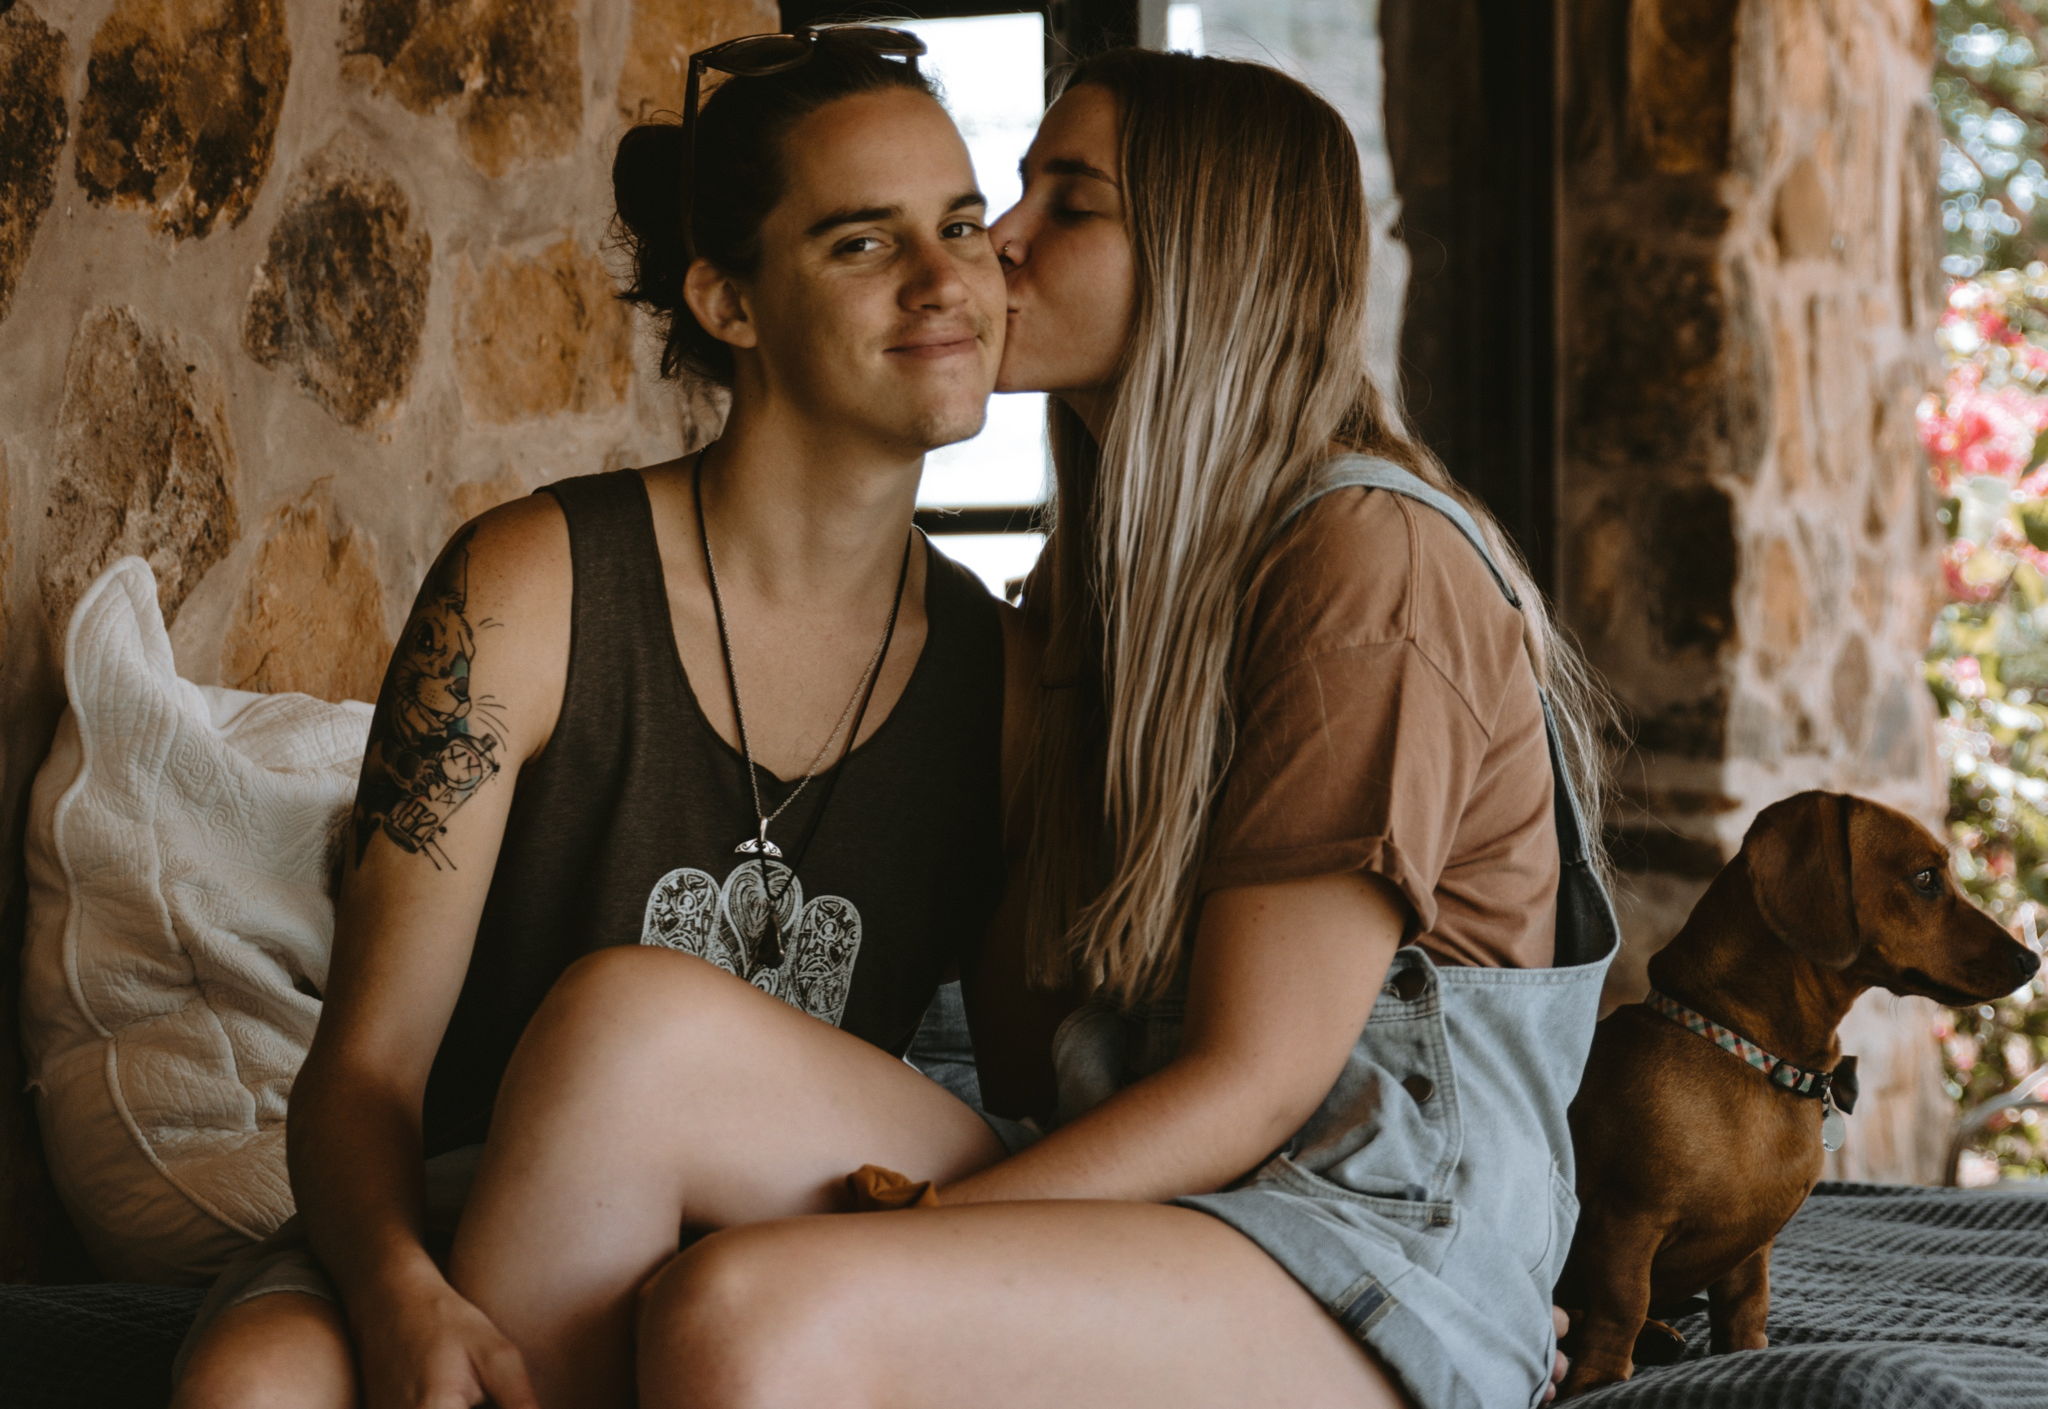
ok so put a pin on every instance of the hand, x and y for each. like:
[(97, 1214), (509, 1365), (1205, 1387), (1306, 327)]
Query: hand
[(1558, 1364), (428, 1348)]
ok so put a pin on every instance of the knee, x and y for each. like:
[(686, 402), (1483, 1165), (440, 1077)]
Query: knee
[(283, 1351), (628, 991), (750, 1318), (606, 977)]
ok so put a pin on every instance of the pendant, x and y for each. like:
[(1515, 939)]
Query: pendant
[(1833, 1129), (759, 846)]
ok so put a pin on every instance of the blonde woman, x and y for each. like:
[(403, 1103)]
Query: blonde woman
[(1296, 822)]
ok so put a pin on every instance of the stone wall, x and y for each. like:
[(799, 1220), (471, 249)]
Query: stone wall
[(288, 289), (1748, 295)]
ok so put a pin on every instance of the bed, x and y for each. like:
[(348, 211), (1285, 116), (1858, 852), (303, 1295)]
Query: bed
[(1885, 1297)]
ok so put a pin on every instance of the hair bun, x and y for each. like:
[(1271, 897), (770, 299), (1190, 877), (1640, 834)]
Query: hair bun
[(647, 187)]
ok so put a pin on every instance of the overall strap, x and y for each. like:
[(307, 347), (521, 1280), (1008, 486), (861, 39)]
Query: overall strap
[(1371, 472)]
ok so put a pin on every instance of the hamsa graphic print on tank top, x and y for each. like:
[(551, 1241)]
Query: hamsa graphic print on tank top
[(729, 924)]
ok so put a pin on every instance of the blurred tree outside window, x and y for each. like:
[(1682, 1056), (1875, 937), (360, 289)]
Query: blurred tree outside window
[(1986, 433)]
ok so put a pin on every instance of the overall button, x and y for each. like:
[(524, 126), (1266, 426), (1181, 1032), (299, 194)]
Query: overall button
[(1419, 1086), (1410, 984)]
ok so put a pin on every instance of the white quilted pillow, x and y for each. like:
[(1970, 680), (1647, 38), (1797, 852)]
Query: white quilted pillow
[(179, 848)]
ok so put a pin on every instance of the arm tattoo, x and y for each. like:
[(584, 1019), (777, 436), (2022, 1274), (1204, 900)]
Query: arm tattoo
[(426, 754)]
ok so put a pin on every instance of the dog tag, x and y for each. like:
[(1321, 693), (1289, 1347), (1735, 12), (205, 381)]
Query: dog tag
[(1833, 1129)]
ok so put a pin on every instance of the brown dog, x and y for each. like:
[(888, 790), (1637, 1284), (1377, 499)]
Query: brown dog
[(1690, 1156)]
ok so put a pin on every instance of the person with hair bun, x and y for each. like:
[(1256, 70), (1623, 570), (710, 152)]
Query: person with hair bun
[(715, 745), (1304, 817)]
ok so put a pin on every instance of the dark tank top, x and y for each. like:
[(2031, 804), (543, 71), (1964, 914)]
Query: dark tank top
[(623, 830)]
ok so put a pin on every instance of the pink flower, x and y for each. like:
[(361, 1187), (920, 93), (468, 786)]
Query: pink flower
[(1982, 433), (1967, 674), (1992, 327)]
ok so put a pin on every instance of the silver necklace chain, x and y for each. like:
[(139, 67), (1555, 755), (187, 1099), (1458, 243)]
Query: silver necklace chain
[(759, 844)]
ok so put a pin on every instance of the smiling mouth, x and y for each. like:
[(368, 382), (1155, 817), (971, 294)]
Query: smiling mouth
[(951, 348)]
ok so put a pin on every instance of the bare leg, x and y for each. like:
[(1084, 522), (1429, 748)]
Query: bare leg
[(654, 1093), (1004, 1306), (1739, 1304), (282, 1351)]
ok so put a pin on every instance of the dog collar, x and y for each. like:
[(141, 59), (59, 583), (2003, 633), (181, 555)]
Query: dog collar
[(1835, 1090)]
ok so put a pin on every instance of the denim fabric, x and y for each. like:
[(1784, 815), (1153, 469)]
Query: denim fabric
[(1428, 1204), (942, 1048)]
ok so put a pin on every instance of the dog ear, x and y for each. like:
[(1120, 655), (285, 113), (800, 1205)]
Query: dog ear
[(1798, 855)]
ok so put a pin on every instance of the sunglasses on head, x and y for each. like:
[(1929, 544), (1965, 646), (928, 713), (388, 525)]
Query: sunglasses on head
[(758, 55)]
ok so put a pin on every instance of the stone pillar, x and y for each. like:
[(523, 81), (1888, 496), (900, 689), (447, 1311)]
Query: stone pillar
[(1747, 304), (287, 291)]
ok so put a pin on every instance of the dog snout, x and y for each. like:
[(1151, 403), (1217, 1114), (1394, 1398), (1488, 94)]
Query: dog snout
[(2006, 966), (2025, 964)]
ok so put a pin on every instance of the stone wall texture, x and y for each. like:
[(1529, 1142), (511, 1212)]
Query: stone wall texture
[(180, 109), (1748, 293), (288, 289)]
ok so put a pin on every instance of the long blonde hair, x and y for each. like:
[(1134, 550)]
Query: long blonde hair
[(1246, 361)]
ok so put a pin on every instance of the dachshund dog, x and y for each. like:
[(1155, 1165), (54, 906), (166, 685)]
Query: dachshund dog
[(1699, 1125)]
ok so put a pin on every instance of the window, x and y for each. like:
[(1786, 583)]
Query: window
[(978, 499), (1334, 47)]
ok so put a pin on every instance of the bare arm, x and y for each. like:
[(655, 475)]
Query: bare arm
[(1282, 981), (471, 695)]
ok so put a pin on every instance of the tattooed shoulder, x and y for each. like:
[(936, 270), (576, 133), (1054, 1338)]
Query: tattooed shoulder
[(434, 742)]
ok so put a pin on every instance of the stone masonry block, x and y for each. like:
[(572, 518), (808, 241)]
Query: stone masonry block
[(341, 297), (33, 63), (181, 107), (510, 70), (144, 464), (534, 337), (664, 36), (1681, 67), (311, 616), (1689, 549)]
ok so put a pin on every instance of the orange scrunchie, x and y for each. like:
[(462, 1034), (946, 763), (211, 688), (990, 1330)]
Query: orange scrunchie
[(873, 1189)]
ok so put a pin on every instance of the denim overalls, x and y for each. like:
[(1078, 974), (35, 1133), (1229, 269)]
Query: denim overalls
[(1428, 1203)]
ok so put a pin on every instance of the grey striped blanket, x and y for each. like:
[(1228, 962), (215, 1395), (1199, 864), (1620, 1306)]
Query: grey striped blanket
[(1883, 1297)]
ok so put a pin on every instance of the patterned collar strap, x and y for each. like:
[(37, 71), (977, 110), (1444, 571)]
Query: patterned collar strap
[(1836, 1088)]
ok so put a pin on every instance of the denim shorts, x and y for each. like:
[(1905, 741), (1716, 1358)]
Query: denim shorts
[(1428, 1202)]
